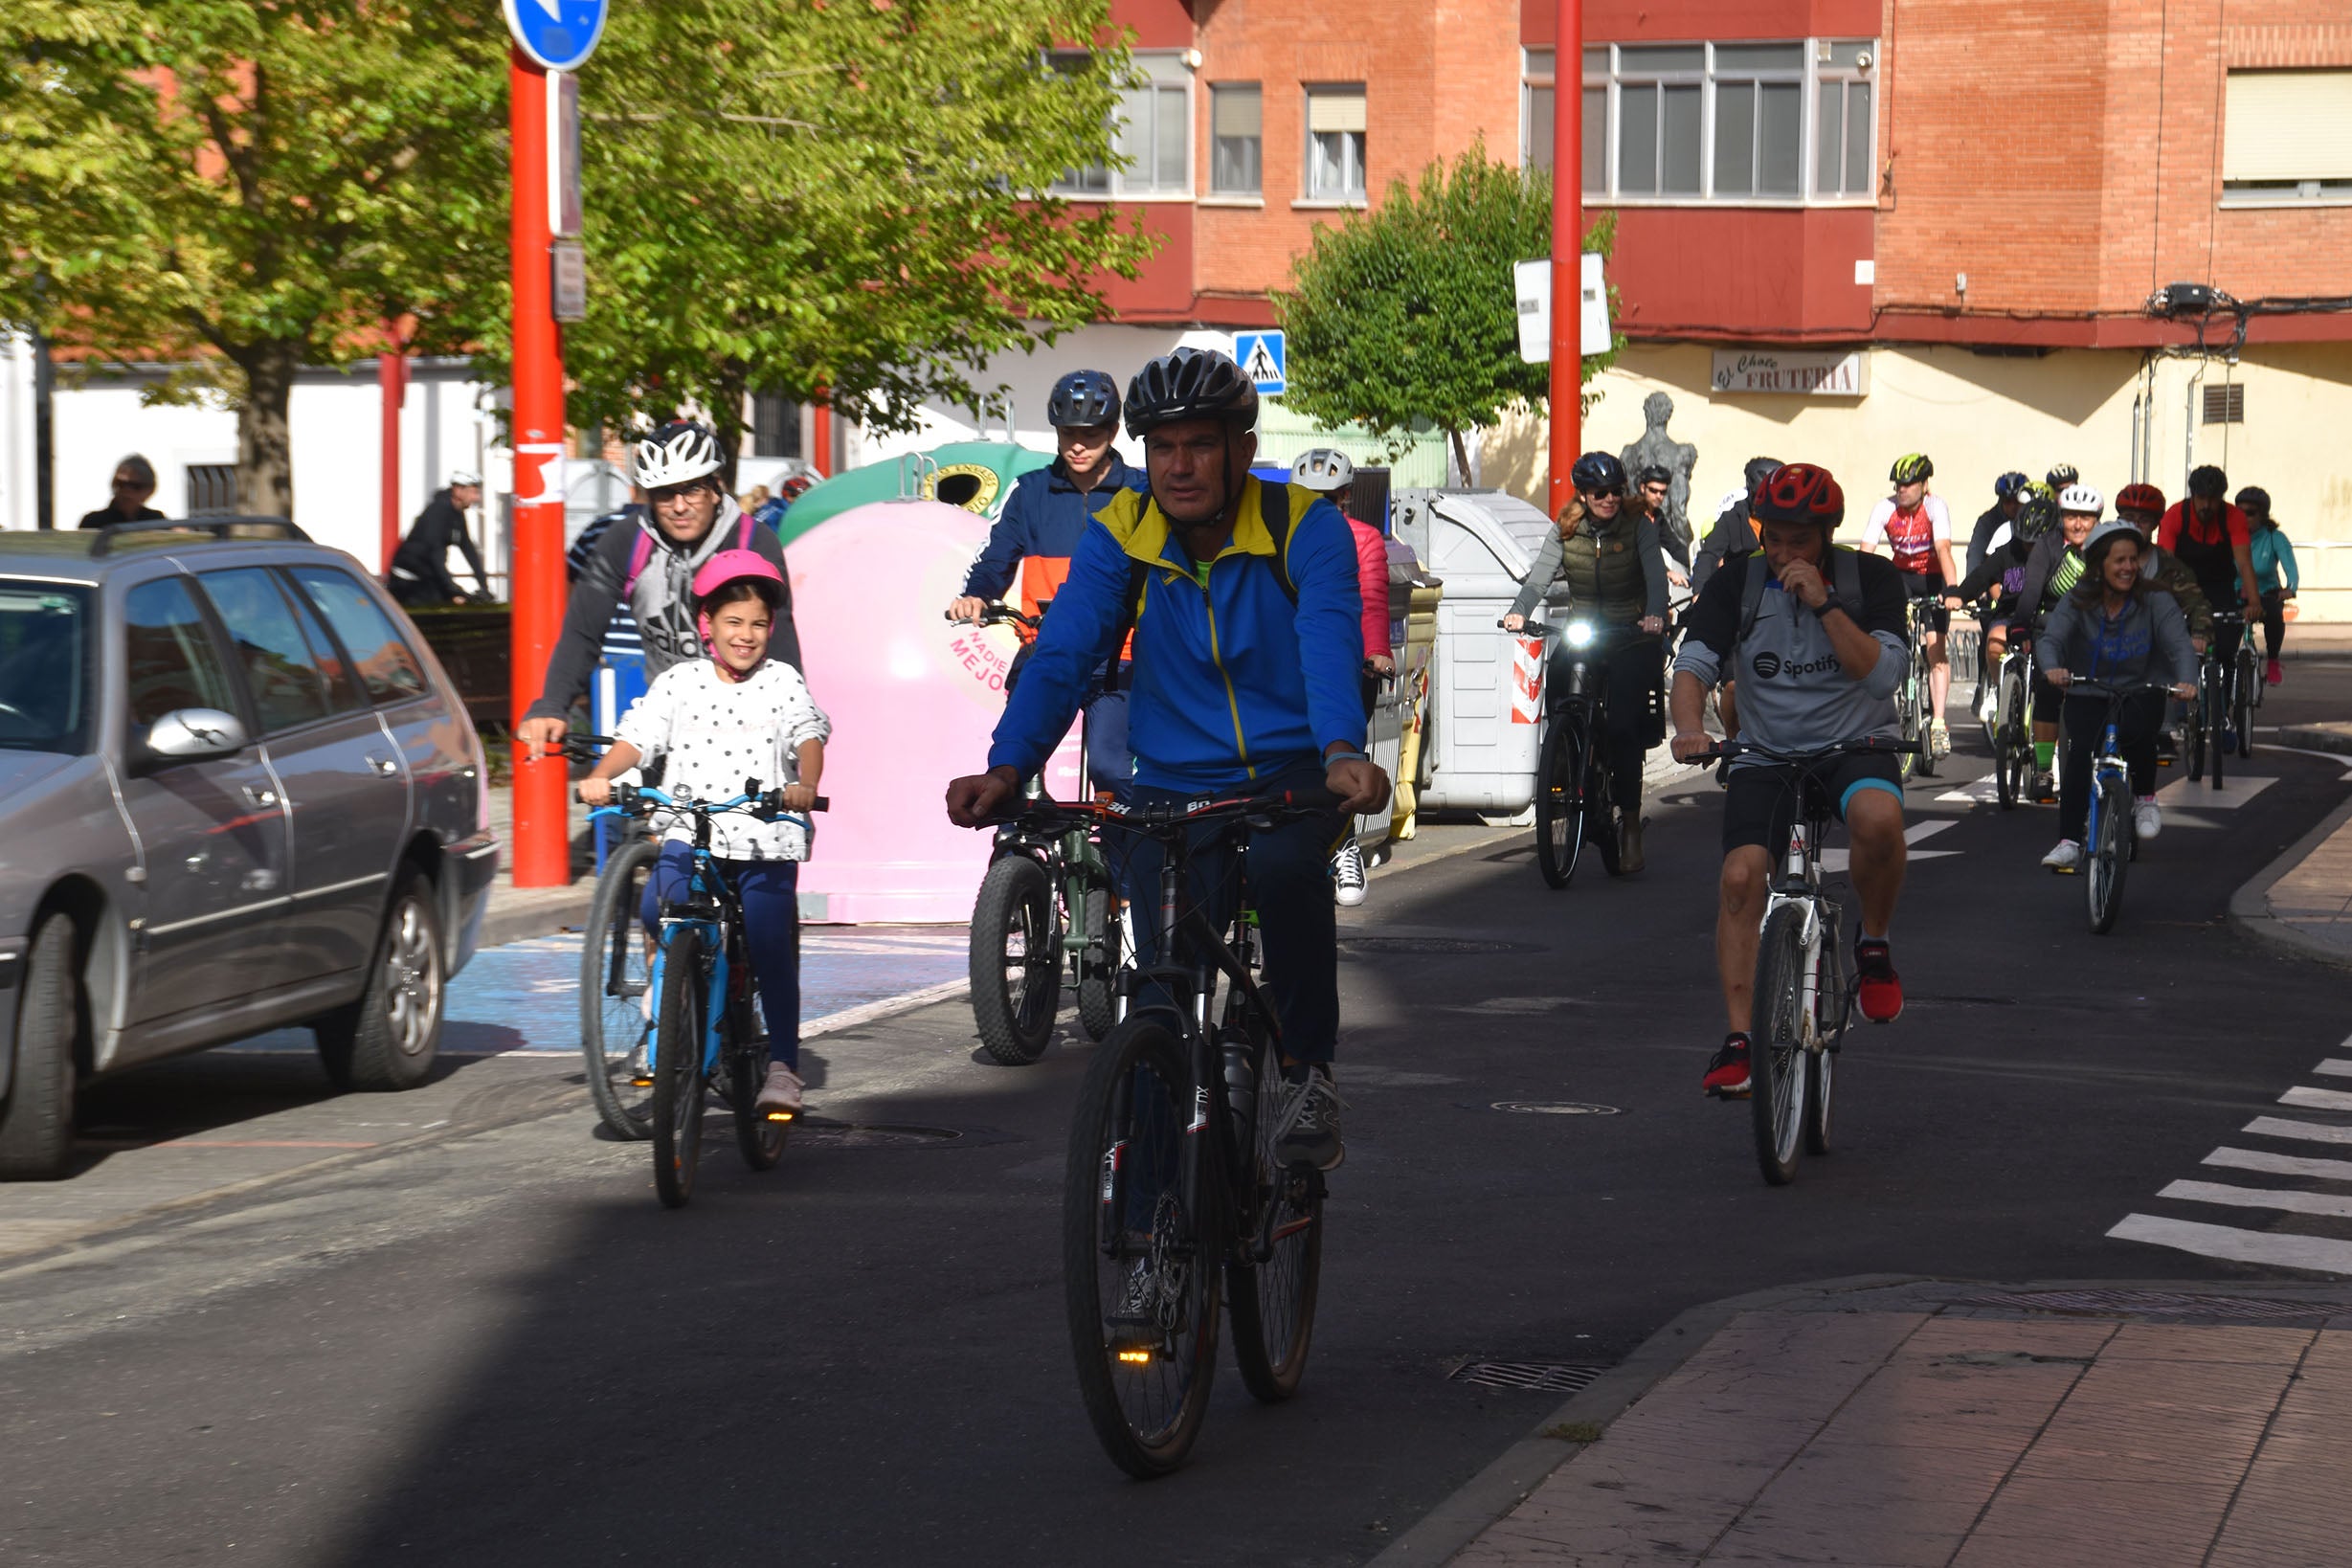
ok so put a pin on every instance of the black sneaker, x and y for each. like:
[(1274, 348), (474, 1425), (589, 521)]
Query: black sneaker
[(1307, 1128)]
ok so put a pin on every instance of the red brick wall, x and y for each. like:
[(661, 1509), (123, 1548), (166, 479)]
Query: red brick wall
[(1631, 21)]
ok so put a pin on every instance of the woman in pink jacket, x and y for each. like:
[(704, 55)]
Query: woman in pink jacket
[(1331, 473)]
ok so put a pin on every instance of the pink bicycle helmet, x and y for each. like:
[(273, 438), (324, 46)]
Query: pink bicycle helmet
[(731, 565)]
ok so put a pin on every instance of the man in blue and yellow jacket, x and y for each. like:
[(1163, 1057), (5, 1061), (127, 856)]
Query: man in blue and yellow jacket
[(1248, 632)]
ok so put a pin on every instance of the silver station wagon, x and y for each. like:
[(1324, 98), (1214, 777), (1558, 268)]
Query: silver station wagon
[(236, 792)]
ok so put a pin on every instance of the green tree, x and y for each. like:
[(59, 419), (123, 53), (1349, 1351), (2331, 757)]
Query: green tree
[(781, 194), (832, 198), (244, 186), (1405, 316)]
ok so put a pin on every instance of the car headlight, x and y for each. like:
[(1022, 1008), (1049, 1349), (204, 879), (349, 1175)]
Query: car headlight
[(1580, 633)]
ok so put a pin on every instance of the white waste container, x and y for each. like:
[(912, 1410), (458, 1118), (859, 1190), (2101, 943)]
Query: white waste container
[(1485, 685)]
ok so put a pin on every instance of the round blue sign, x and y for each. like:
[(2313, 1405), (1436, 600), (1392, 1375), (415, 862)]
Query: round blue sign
[(558, 33)]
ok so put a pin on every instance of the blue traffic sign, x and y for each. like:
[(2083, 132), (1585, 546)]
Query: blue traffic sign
[(558, 33), (1265, 358)]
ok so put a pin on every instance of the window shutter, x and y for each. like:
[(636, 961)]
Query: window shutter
[(1236, 111), (1335, 111), (2288, 126)]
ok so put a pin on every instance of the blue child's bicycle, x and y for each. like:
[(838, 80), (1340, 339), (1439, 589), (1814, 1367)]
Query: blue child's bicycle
[(708, 1032), (2110, 843)]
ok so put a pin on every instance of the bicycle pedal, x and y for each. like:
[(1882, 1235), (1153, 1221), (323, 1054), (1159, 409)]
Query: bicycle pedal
[(783, 1115), (643, 1080)]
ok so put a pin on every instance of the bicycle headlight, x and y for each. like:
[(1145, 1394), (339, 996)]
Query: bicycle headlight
[(1580, 633)]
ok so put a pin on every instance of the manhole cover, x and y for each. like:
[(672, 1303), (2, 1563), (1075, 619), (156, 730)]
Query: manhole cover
[(833, 1134), (1543, 1377), (1432, 945), (1554, 1108), (2153, 1304)]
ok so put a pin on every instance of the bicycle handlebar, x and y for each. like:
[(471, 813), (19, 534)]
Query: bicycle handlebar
[(997, 612), (1867, 746), (1162, 820), (643, 800), (2087, 688)]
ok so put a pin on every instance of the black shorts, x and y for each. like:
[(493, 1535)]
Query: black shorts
[(1929, 586), (1760, 803)]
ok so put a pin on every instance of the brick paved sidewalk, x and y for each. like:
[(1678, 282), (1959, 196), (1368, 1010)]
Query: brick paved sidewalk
[(1939, 1427)]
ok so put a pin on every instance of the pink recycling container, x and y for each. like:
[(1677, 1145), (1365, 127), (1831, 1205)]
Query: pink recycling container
[(914, 700)]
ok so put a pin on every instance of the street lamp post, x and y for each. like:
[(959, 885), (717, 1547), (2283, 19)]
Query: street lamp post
[(1567, 244)]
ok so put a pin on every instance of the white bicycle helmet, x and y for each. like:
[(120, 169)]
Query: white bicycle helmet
[(1324, 470), (2082, 498), (676, 454)]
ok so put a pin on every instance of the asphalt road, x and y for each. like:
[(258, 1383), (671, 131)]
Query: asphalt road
[(496, 1349)]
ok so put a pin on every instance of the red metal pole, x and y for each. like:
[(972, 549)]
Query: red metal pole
[(1567, 244), (820, 434), (541, 853), (391, 383)]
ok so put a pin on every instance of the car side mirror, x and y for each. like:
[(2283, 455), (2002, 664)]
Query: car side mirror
[(188, 734)]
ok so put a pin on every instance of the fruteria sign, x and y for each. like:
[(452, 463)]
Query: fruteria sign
[(1803, 375)]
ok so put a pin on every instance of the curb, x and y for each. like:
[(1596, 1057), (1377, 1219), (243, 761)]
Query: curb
[(525, 913), (1505, 1484), (1458, 1521), (2333, 738), (2250, 909)]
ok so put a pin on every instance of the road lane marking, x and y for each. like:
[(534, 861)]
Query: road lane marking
[(2316, 1099), (2279, 1127), (2186, 791), (2318, 1254), (2334, 1067), (2259, 1198), (2302, 1165)]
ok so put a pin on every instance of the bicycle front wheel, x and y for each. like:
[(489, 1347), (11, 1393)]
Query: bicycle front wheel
[(2242, 700), (1141, 1250), (1016, 961), (2012, 741), (1777, 1042), (678, 1070), (759, 1139), (1907, 707), (2214, 703), (617, 1023), (1273, 1297), (1560, 800), (2110, 849), (1098, 962)]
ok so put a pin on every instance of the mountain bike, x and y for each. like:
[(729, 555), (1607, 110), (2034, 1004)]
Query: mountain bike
[(2220, 711), (616, 1021), (1804, 986), (1046, 912), (1914, 702), (1573, 800), (2011, 726), (2110, 842), (704, 1007), (1172, 1183)]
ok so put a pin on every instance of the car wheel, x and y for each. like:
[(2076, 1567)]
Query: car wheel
[(388, 1037), (37, 1123)]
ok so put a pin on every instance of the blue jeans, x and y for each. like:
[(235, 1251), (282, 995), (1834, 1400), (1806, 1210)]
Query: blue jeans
[(1289, 868), (770, 891)]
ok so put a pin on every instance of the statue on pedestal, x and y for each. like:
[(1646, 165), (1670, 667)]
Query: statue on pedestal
[(1656, 449)]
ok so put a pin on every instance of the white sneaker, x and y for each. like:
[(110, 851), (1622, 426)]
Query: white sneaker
[(1348, 875), (2065, 858), (2147, 817), (781, 1094)]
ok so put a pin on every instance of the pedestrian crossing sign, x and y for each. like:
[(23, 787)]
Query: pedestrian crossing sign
[(1263, 358)]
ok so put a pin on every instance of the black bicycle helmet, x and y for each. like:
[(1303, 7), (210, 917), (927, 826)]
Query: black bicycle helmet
[(1083, 399), (1190, 383), (1798, 492), (1653, 475), (1911, 468), (2008, 485), (2064, 475), (2254, 502), (2037, 513), (2208, 482), (1598, 474), (1761, 469)]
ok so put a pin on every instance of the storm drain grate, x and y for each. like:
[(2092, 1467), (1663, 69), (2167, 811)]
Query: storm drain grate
[(2154, 1304), (1542, 1376)]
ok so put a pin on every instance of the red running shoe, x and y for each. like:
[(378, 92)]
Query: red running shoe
[(1727, 1070), (1881, 988)]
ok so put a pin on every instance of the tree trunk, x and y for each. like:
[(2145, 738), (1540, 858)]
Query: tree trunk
[(1462, 459), (734, 378), (264, 450)]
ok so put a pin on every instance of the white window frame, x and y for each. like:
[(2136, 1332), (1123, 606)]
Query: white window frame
[(1157, 71), (1309, 197), (1255, 196), (2325, 190), (1818, 54)]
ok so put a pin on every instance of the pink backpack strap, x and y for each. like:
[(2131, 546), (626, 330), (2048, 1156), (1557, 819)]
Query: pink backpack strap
[(639, 553)]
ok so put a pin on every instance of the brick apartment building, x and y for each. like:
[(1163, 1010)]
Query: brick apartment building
[(1948, 220)]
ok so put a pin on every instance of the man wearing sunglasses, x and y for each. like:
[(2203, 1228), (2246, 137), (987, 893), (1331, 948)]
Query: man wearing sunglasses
[(690, 517)]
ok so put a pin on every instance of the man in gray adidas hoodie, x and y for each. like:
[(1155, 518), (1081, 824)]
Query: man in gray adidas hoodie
[(1814, 636)]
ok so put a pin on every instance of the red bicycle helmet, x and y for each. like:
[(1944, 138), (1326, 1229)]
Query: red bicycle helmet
[(1798, 492), (2140, 497)]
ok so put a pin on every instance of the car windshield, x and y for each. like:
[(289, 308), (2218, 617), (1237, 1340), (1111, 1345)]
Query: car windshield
[(44, 666)]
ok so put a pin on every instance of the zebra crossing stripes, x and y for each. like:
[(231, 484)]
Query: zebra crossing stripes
[(2305, 1228)]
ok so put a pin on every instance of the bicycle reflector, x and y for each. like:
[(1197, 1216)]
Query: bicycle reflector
[(1136, 1358), (779, 1115)]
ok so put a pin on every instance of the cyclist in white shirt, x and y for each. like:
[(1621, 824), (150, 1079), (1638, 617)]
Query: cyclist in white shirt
[(1916, 531)]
